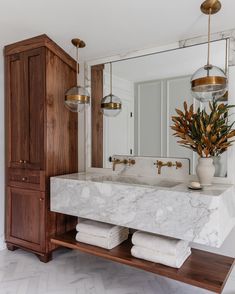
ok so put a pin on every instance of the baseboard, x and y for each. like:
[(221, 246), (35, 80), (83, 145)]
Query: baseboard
[(2, 243)]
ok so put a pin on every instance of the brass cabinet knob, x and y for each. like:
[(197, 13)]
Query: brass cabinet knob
[(20, 161), (24, 161), (24, 179), (41, 199)]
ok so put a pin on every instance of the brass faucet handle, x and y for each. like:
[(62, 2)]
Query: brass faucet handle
[(131, 161), (178, 164), (158, 163), (169, 164)]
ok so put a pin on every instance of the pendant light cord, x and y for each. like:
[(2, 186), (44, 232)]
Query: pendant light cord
[(209, 38), (77, 64), (111, 81)]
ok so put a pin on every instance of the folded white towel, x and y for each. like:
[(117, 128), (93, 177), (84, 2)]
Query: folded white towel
[(160, 243), (98, 229), (107, 243), (158, 257)]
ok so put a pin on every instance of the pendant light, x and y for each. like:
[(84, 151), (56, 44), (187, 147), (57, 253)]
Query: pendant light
[(111, 105), (209, 82), (77, 97)]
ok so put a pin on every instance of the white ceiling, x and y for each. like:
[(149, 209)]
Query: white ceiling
[(109, 27)]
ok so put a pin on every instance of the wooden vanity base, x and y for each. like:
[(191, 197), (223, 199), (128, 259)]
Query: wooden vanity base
[(45, 258), (42, 257), (202, 269), (11, 247)]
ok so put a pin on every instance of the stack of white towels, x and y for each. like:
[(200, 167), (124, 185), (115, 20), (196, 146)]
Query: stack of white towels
[(100, 234), (159, 249)]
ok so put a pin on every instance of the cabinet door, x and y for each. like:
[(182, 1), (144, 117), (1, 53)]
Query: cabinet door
[(26, 218), (34, 74), (26, 73), (18, 121)]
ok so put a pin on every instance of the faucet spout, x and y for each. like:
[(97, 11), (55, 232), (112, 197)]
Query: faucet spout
[(116, 161), (159, 164)]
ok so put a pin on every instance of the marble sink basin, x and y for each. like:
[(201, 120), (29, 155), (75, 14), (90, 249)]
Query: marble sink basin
[(136, 180), (149, 204)]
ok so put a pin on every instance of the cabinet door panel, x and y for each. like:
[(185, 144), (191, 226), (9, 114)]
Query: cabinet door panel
[(26, 224), (18, 112), (34, 62)]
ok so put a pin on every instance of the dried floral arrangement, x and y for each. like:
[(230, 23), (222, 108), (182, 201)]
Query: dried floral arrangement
[(208, 134)]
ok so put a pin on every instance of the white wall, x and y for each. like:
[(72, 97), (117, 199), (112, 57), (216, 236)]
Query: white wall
[(2, 154)]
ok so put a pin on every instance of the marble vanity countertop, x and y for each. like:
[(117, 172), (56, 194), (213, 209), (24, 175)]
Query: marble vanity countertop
[(149, 204)]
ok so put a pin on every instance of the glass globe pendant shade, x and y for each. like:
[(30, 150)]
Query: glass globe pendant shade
[(208, 83), (76, 98), (111, 105)]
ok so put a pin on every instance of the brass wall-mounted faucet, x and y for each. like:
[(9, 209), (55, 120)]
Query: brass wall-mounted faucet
[(116, 161), (159, 164)]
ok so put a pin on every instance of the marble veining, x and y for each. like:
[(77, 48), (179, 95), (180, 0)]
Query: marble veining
[(204, 217)]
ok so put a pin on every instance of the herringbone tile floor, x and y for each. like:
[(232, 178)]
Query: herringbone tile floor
[(72, 272)]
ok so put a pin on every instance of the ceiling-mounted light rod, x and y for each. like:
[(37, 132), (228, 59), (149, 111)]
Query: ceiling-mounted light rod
[(111, 80), (209, 38)]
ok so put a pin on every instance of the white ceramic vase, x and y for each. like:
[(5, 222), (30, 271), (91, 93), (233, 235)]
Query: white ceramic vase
[(205, 170)]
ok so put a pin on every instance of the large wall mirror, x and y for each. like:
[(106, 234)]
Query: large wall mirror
[(150, 87)]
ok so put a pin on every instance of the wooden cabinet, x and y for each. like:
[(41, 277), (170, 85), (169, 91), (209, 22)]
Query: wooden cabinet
[(26, 209), (41, 140)]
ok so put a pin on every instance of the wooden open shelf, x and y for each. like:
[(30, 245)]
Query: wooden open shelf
[(202, 269)]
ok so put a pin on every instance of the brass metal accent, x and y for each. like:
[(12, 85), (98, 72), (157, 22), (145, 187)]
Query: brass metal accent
[(116, 161), (111, 105), (210, 6), (21, 161), (131, 161), (177, 164), (78, 43), (24, 161), (209, 80), (81, 99), (24, 179), (159, 164)]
